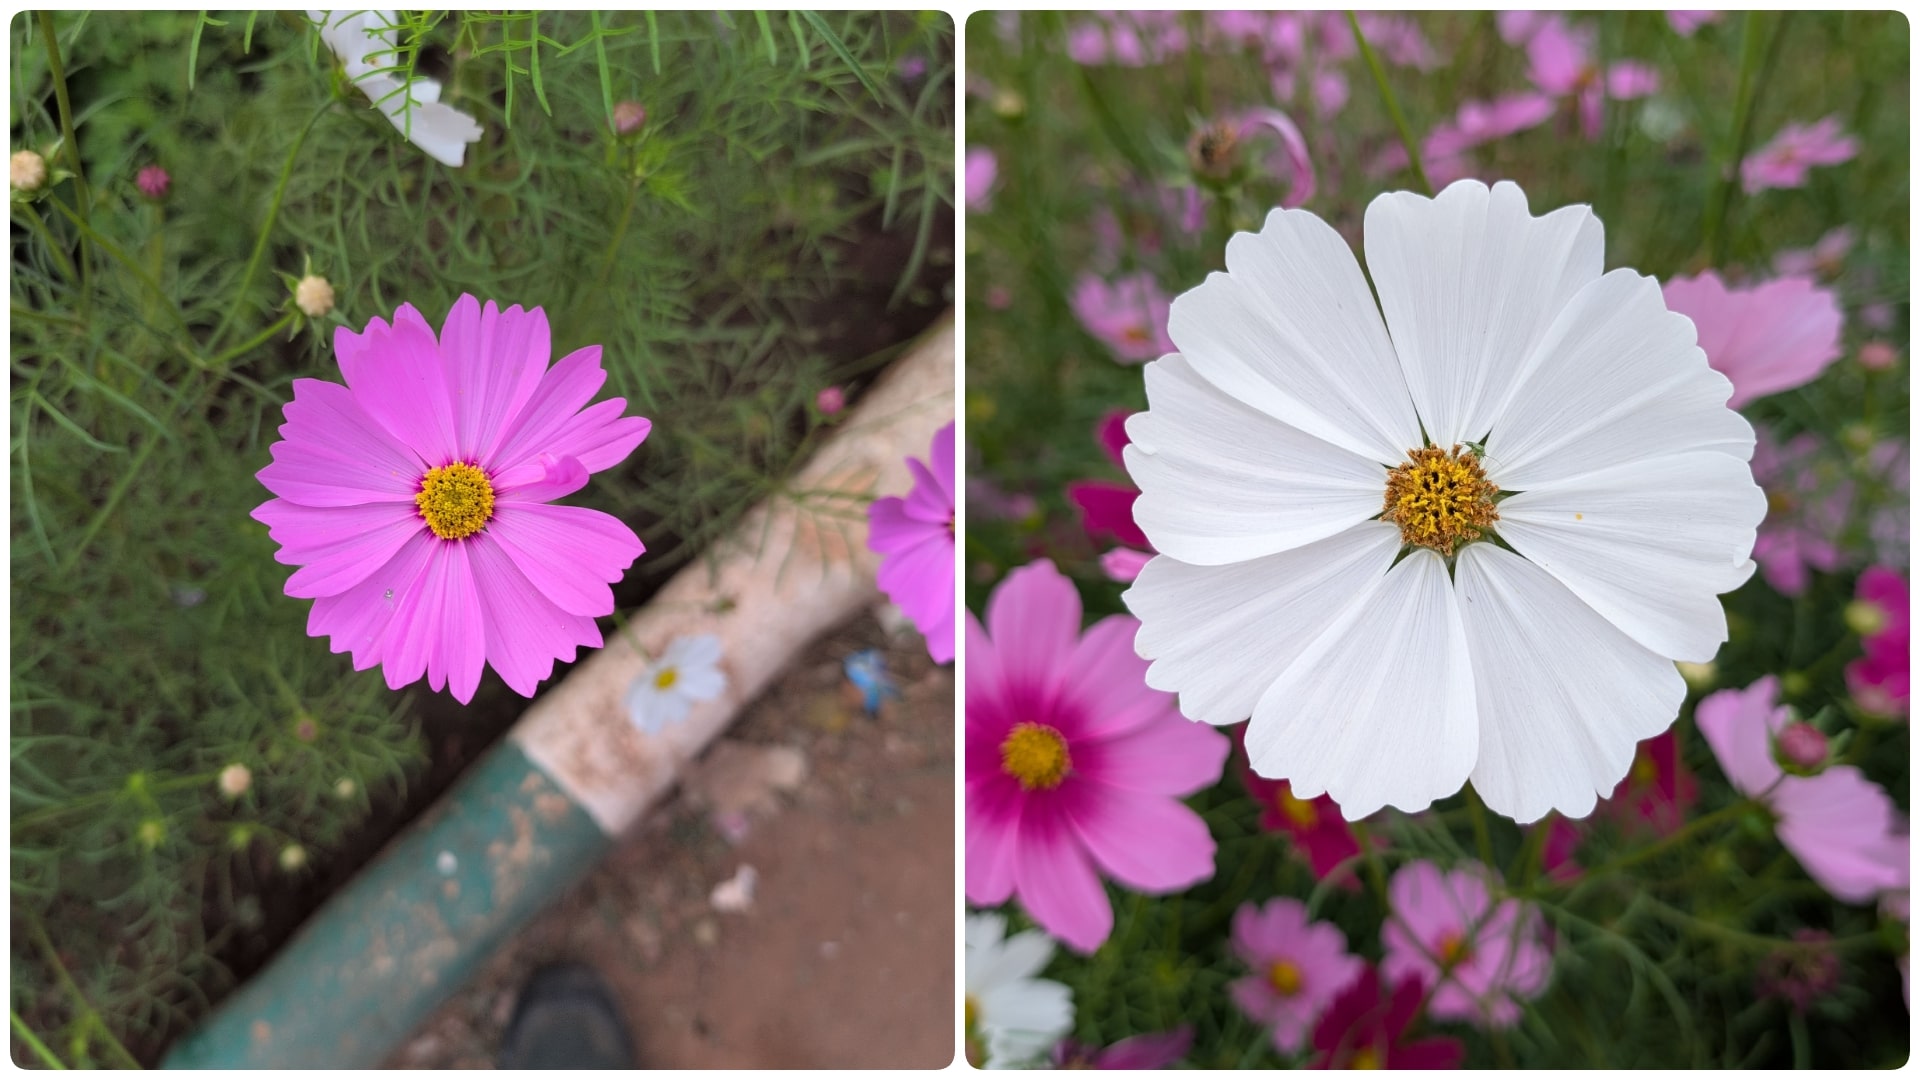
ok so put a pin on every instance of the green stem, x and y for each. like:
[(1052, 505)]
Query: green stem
[(1393, 105), (1715, 239), (1532, 853), (266, 227), (1375, 876), (133, 266), (87, 1011), (33, 1042), (58, 251), (1482, 839), (1677, 837), (251, 344), (70, 143), (620, 230)]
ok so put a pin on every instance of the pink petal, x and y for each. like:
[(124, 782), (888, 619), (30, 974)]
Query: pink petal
[(1124, 564), (1147, 843), (396, 375), (524, 631), (360, 619), (1106, 510), (337, 547), (1771, 337), (940, 460), (554, 407), (928, 501), (1738, 726), (558, 477), (599, 437), (462, 636), (1169, 755), (1106, 682), (1058, 886), (1033, 619), (494, 360), (333, 454), (920, 580), (994, 803), (569, 553), (1841, 826)]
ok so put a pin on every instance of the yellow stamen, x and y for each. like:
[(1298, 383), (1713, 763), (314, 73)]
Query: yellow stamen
[(1035, 755), (1453, 949), (1644, 772), (1298, 811), (456, 500), (1365, 1058), (666, 679), (1440, 498), (1284, 977)]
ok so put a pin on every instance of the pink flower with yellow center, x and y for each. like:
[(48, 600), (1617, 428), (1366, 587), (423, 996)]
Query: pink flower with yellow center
[(1786, 161), (417, 498), (1299, 967), (1128, 315), (1764, 338), (1481, 958), (1075, 768)]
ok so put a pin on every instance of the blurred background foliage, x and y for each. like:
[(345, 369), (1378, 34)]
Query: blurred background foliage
[(778, 225), (1655, 970)]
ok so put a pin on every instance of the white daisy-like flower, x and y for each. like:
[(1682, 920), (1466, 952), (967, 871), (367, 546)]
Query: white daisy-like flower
[(1467, 540), (687, 672), (1018, 1016), (365, 42)]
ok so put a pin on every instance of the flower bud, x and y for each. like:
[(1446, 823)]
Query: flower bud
[(151, 832), (1211, 151), (1800, 747), (1009, 105), (292, 857), (235, 779), (28, 171), (1878, 355), (153, 182), (831, 400), (345, 788), (629, 117), (313, 296), (1865, 618)]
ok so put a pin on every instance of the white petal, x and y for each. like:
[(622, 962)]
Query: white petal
[(1292, 330), (1564, 696), (1616, 378), (1023, 1020), (1021, 956), (1221, 482), (1649, 544), (1220, 635), (1469, 282), (700, 683), (694, 650), (1379, 709)]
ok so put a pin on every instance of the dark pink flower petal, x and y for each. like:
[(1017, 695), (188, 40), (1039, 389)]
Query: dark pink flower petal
[(397, 378), (494, 362), (570, 553), (1106, 510), (1148, 845)]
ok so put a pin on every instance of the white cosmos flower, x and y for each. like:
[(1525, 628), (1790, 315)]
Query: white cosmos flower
[(1517, 626), (365, 42), (666, 690), (1019, 1017)]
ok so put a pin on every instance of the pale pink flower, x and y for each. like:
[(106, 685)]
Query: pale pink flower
[(1685, 23), (1152, 214), (982, 168), (628, 117), (1481, 958), (1764, 338), (1823, 259), (1290, 160), (1480, 122), (1844, 830), (1877, 316), (830, 400), (153, 182), (915, 536), (1129, 315), (1561, 62), (1518, 27), (1784, 162), (417, 498), (1299, 967), (1126, 38), (1878, 355), (1074, 767), (1806, 510), (1124, 564)]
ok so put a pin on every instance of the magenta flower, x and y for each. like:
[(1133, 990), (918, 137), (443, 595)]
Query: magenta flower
[(1557, 851), (1130, 315), (1823, 259), (1366, 1028), (1561, 63), (1075, 768), (1765, 338), (1685, 23), (1844, 830), (1126, 38), (1881, 681), (1157, 1050), (1315, 827), (1481, 122), (982, 168), (1481, 959), (1106, 506), (1806, 511), (1290, 159), (830, 400), (915, 534), (1801, 973), (415, 499), (1784, 162), (153, 182), (1299, 967), (1658, 789)]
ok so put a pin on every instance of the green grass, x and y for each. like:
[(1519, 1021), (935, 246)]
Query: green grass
[(154, 344), (1657, 966)]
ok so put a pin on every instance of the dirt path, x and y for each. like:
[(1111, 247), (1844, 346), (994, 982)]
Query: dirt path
[(844, 958)]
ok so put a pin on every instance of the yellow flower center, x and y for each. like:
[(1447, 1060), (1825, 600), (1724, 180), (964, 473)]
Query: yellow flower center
[(1284, 977), (666, 678), (1035, 755), (1365, 1058), (1298, 811), (1645, 772), (1452, 948), (456, 500), (1440, 498), (973, 1012)]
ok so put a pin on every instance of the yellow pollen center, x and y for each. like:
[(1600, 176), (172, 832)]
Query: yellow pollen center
[(1298, 811), (973, 1012), (1452, 948), (1644, 770), (1365, 1058), (1136, 334), (1035, 755), (1284, 977), (666, 679), (1440, 498), (456, 500)]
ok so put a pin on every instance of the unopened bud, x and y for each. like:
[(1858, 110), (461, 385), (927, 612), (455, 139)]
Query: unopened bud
[(345, 788), (1878, 355), (1801, 747), (313, 296), (831, 400), (1009, 105), (292, 857), (151, 832), (153, 182), (1211, 151), (235, 779), (628, 117), (27, 170)]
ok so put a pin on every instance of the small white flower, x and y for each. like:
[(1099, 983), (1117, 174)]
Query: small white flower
[(365, 42), (235, 779), (313, 296), (26, 170), (687, 672), (1018, 1016), (1323, 479)]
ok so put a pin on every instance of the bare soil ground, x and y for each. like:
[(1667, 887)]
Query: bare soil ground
[(844, 958)]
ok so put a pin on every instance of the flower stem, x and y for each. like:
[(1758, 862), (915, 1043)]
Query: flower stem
[(1753, 61), (1693, 828), (255, 342), (33, 1042), (1392, 103), (266, 227), (57, 72), (1482, 839), (1375, 876)]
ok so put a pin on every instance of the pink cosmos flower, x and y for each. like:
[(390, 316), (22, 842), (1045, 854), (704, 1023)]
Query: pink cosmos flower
[(1299, 967), (1141, 1052), (1823, 259), (1075, 768), (1126, 38), (1844, 830), (1129, 315), (1315, 827), (1685, 23), (153, 182), (1801, 973), (1290, 159), (1561, 63), (1366, 1028), (415, 498), (1518, 27), (1878, 355), (1557, 851), (1481, 958), (1658, 789), (982, 168), (1806, 511), (1784, 162), (1106, 506), (916, 536), (1766, 338), (1881, 681), (1481, 122)]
